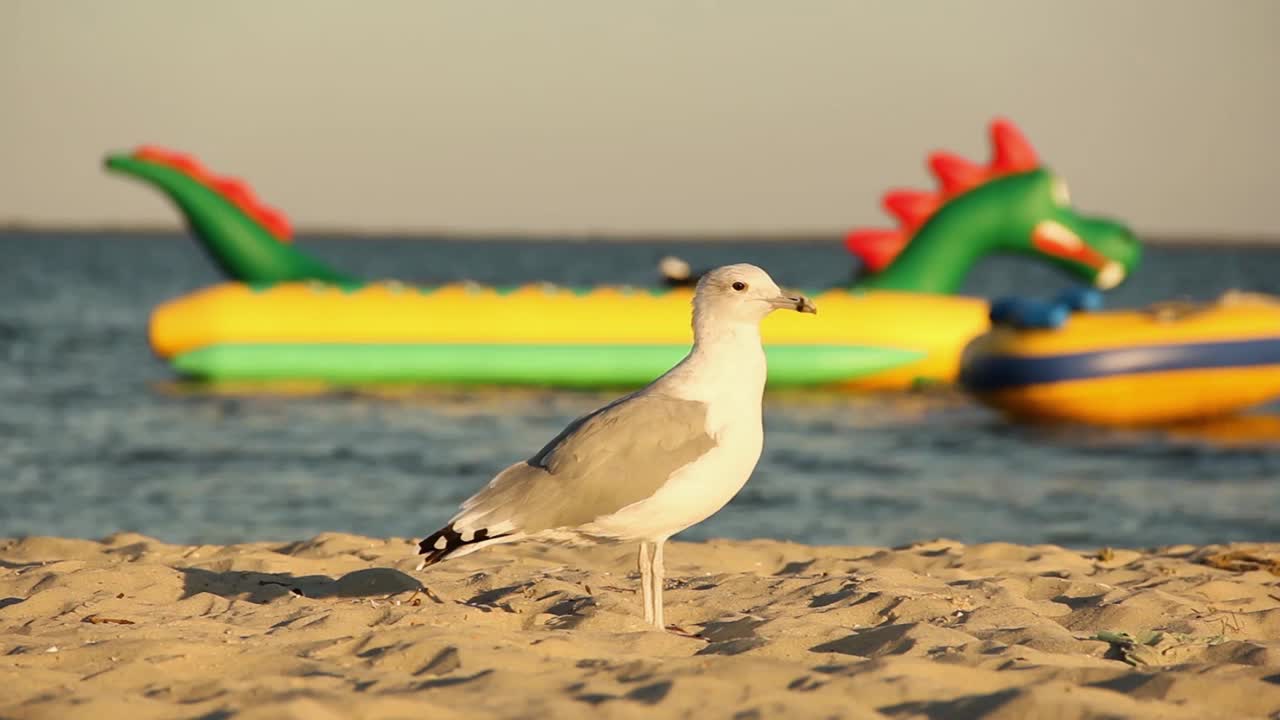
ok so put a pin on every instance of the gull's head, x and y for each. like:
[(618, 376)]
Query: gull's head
[(744, 293)]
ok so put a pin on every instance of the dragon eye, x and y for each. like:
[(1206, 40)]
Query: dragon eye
[(1061, 195), (739, 286)]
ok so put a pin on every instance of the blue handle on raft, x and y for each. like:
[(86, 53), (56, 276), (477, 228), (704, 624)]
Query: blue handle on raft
[(1031, 313), (1081, 298), (1028, 313)]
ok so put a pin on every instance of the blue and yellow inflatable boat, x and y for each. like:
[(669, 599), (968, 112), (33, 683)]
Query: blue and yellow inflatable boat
[(1167, 363)]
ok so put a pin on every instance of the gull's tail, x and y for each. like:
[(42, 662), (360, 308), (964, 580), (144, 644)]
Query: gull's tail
[(448, 542)]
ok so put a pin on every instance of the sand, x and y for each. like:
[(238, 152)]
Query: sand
[(337, 627)]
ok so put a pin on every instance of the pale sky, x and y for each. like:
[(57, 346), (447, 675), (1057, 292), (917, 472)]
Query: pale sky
[(598, 116)]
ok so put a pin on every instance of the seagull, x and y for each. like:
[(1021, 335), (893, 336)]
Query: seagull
[(649, 464), (676, 272)]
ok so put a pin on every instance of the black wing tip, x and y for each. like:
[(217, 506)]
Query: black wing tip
[(430, 546)]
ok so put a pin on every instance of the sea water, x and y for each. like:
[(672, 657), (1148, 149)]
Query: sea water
[(97, 437)]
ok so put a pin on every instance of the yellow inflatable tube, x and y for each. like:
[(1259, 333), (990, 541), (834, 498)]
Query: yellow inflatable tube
[(915, 337)]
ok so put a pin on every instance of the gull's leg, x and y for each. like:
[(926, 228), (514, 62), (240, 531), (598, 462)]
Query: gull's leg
[(646, 579), (659, 576)]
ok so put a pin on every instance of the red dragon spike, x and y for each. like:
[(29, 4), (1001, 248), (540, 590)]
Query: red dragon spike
[(276, 223), (954, 173), (181, 162), (875, 248), (911, 207), (1009, 149), (233, 190), (1010, 153)]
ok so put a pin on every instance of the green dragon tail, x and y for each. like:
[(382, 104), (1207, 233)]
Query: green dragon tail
[(249, 241)]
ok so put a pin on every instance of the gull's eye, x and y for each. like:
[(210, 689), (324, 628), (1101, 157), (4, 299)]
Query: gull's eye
[(739, 286)]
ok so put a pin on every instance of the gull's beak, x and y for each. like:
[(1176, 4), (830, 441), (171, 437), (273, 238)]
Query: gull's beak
[(796, 302)]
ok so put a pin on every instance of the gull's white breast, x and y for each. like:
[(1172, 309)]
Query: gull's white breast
[(704, 486)]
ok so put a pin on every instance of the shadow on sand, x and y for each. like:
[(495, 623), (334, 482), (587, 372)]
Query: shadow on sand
[(264, 587)]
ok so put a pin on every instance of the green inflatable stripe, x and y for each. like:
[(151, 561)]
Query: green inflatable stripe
[(581, 366)]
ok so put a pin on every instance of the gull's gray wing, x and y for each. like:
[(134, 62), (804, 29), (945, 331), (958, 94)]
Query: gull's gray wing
[(599, 464)]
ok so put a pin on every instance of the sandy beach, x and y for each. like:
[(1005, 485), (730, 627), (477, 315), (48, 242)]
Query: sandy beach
[(341, 626)]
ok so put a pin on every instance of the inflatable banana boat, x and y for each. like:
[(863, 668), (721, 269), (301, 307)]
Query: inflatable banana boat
[(1168, 363), (540, 335), (288, 316)]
